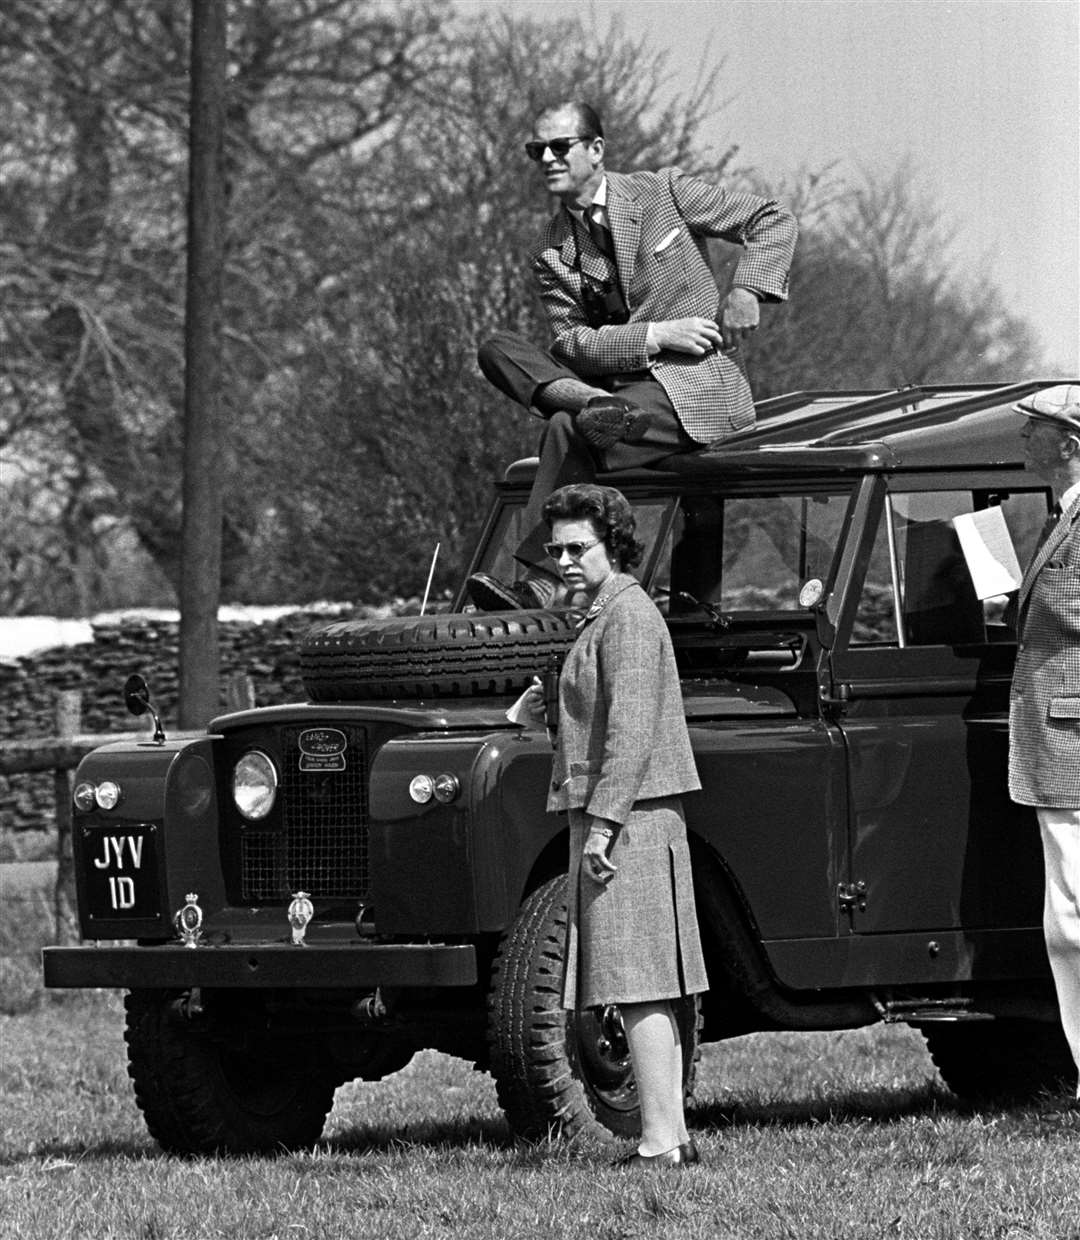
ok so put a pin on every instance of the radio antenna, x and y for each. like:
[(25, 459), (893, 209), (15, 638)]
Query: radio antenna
[(431, 573)]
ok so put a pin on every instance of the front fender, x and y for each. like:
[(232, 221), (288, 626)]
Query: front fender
[(462, 867), (136, 864)]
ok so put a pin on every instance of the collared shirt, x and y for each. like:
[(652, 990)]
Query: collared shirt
[(599, 199), (1068, 496)]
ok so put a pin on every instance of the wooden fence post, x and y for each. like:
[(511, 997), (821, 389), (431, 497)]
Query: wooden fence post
[(239, 692), (68, 724)]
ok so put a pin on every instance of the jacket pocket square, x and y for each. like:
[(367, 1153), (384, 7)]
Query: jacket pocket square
[(1065, 707), (666, 241)]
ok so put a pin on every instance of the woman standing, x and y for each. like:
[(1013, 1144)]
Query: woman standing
[(622, 759)]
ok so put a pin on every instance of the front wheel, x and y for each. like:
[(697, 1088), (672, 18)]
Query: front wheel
[(558, 1072), (229, 1089)]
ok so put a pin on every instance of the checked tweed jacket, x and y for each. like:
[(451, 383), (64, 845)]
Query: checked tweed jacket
[(659, 222), (623, 753), (1044, 707)]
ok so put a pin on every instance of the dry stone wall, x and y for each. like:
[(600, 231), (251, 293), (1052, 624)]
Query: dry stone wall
[(268, 652)]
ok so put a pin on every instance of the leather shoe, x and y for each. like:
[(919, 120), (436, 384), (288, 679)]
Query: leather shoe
[(608, 420), (681, 1156), (491, 594)]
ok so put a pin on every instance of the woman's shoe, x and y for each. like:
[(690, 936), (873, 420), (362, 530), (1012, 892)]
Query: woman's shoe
[(681, 1156)]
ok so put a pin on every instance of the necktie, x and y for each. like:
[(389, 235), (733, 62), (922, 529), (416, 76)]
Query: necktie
[(600, 234)]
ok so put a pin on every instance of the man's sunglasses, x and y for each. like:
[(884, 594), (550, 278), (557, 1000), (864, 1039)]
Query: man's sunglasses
[(560, 147), (575, 550)]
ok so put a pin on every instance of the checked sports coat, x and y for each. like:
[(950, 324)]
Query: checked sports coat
[(659, 222), (1044, 707)]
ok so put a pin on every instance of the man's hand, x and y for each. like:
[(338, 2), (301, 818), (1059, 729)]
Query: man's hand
[(739, 316), (694, 335)]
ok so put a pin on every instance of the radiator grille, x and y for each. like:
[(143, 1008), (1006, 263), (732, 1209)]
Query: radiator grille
[(321, 845)]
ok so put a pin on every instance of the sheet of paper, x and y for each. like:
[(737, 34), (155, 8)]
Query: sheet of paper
[(518, 714), (989, 552)]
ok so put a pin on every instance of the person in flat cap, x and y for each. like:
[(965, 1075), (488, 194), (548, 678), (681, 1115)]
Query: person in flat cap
[(1044, 706)]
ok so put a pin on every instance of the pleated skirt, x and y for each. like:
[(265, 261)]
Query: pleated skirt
[(635, 938)]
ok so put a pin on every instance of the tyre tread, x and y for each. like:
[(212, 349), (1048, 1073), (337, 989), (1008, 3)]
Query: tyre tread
[(1001, 1062), (425, 657), (172, 1073)]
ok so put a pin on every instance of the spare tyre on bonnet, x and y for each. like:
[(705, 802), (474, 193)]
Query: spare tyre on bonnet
[(431, 656)]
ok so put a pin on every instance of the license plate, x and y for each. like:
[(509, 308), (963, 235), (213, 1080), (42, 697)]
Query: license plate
[(120, 867)]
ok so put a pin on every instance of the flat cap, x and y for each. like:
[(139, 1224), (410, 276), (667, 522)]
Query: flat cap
[(1054, 404)]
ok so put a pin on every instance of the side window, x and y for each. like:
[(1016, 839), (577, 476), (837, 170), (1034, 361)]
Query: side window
[(918, 590)]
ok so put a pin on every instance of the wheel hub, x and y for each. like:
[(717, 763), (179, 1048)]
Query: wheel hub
[(604, 1057)]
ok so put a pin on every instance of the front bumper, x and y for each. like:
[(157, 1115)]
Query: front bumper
[(255, 966)]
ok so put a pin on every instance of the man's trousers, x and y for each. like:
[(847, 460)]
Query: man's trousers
[(519, 369), (1060, 829)]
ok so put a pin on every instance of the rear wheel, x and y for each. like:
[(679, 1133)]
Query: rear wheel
[(228, 1089), (559, 1072), (1001, 1062)]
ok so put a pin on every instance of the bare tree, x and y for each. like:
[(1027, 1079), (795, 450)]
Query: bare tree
[(92, 215), (879, 301), (380, 208)]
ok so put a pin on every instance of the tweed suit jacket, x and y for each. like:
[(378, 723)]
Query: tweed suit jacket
[(1044, 705), (659, 222), (622, 729)]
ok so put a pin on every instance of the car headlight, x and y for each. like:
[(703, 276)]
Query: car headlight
[(254, 785)]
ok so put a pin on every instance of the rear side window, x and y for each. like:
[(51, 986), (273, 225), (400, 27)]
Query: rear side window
[(918, 590)]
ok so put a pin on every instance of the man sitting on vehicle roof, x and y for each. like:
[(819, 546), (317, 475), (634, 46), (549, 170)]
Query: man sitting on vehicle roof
[(645, 361)]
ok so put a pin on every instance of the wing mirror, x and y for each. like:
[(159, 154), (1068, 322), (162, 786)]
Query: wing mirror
[(137, 700)]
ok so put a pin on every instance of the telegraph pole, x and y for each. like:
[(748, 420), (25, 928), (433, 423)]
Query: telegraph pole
[(204, 437)]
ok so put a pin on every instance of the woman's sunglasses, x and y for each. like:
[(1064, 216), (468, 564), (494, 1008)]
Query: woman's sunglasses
[(559, 147), (575, 550)]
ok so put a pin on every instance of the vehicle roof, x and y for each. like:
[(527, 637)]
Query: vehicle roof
[(921, 427)]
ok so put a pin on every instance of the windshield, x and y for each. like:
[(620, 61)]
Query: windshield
[(747, 553)]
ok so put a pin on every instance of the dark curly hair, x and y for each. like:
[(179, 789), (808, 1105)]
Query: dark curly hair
[(609, 513)]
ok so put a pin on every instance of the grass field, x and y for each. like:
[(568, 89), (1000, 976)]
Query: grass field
[(805, 1136), (824, 1135)]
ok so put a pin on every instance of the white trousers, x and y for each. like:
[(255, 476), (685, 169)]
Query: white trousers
[(1060, 829)]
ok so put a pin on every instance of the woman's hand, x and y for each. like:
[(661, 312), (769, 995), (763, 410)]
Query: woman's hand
[(594, 859), (529, 708), (534, 702)]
